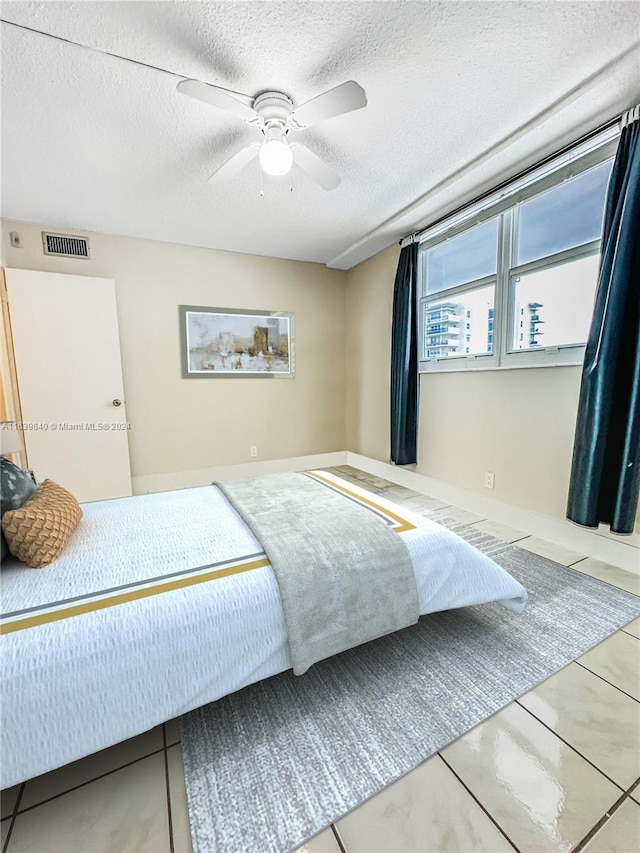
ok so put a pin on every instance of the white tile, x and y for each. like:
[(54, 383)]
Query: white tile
[(336, 471), (550, 550), (426, 810), (422, 503), (323, 842), (172, 731), (633, 628), (617, 660), (399, 492), (539, 790), (596, 719), (60, 780), (500, 531), (346, 471), (620, 834), (462, 516), (8, 799), (124, 811), (4, 830), (378, 482), (360, 475), (178, 794), (609, 574), (367, 487), (351, 481)]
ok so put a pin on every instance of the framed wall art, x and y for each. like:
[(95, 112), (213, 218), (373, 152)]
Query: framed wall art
[(230, 342)]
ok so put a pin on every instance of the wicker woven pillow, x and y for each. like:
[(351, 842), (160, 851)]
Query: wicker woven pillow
[(37, 532)]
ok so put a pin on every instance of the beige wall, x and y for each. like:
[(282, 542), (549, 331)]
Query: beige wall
[(186, 424), (368, 353), (517, 423)]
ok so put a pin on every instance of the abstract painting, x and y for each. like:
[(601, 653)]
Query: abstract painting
[(219, 342)]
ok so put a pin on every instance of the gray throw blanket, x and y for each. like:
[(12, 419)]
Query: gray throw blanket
[(345, 577)]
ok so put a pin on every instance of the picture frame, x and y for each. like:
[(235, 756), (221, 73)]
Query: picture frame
[(236, 343)]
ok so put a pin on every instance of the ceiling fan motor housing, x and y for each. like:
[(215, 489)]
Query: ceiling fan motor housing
[(274, 108)]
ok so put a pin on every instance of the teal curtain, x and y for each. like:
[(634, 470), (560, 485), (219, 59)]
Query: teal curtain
[(404, 359), (605, 474)]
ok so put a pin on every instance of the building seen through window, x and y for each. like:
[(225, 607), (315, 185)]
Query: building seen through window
[(517, 287)]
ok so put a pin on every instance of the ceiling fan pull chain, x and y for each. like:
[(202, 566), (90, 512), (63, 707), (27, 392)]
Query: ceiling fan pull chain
[(291, 181), (261, 183)]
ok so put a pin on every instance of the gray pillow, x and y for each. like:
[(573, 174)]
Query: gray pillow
[(16, 486)]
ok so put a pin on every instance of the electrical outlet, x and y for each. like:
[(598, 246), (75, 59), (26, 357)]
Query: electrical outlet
[(489, 479), (253, 450), (15, 237)]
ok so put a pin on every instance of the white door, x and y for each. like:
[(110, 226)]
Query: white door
[(67, 352)]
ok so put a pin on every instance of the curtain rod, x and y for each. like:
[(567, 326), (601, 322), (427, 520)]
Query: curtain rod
[(630, 116), (622, 119)]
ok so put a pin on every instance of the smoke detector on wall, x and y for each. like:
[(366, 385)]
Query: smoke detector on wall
[(274, 115)]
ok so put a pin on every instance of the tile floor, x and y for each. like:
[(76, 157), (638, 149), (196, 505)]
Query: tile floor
[(557, 770)]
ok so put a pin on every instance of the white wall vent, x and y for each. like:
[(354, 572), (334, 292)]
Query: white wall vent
[(65, 245)]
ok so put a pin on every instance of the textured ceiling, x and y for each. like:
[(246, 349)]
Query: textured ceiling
[(94, 142)]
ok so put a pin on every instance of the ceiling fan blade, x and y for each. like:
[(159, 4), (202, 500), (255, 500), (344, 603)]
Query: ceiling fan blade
[(343, 99), (321, 172), (236, 163), (217, 98)]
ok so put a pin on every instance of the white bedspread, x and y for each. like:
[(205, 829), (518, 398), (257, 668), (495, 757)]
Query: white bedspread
[(165, 602)]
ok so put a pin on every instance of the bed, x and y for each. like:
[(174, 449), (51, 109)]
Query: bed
[(162, 603)]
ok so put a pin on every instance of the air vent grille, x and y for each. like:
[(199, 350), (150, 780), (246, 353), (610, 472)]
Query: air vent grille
[(65, 245)]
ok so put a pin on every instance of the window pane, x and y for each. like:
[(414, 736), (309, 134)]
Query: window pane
[(467, 257), (459, 326), (566, 216), (554, 306)]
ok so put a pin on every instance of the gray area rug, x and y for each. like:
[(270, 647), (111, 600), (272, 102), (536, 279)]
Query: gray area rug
[(270, 766)]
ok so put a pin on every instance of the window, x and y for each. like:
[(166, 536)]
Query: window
[(472, 255), (511, 282), (566, 216), (557, 303), (447, 316)]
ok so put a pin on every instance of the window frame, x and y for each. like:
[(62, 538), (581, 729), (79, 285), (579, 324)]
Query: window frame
[(506, 208)]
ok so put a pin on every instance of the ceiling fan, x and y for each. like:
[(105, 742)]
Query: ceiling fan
[(274, 115)]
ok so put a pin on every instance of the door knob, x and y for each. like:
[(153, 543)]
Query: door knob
[(117, 402)]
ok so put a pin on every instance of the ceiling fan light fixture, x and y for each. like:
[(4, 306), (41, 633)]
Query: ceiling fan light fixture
[(275, 115), (276, 158)]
